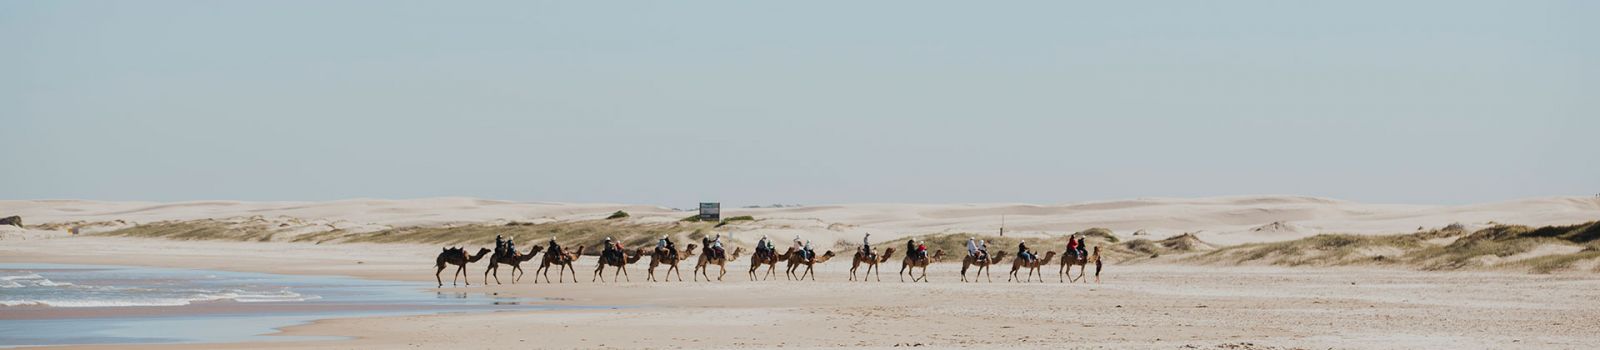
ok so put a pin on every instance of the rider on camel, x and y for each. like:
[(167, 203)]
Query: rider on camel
[(866, 247), (763, 247), (1072, 246), (499, 244), (716, 246), (1083, 249), (1022, 251), (555, 249), (664, 246)]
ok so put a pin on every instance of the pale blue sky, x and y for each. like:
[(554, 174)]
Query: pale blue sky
[(799, 102)]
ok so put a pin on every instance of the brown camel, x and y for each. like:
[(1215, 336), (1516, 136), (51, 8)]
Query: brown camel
[(619, 262), (1033, 266), (982, 264), (457, 257), (771, 260), (722, 263), (912, 262), (663, 257), (563, 261), (872, 264), (1067, 261), (514, 259), (795, 260)]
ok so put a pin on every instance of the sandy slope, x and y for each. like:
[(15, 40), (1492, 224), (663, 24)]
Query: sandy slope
[(1145, 306), (1223, 220)]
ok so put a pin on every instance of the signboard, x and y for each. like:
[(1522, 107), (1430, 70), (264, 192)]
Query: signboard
[(710, 211)]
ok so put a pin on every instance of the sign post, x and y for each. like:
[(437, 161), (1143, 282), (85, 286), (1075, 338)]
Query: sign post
[(710, 211)]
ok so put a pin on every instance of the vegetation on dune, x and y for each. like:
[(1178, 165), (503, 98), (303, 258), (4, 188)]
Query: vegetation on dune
[(205, 229), (571, 233), (618, 215), (1482, 249), (725, 221)]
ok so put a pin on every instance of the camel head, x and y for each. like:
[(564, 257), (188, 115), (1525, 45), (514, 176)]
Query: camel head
[(824, 258), (937, 256), (997, 256), (536, 249), (637, 253), (481, 253), (887, 252), (688, 251), (735, 254), (1047, 256)]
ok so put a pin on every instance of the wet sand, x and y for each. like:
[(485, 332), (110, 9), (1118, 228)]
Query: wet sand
[(1141, 306)]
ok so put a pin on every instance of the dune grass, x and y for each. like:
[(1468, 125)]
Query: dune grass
[(572, 233), (1476, 250), (205, 229)]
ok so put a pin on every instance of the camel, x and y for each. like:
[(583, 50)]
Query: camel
[(771, 260), (872, 264), (458, 257), (982, 264), (795, 260), (621, 264), (1067, 261), (667, 258), (515, 260), (564, 262), (706, 259), (912, 262), (1033, 266)]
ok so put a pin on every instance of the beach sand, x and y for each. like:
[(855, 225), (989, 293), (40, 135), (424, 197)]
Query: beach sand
[(1140, 306)]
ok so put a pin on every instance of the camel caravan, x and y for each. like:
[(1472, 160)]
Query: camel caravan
[(1026, 264)]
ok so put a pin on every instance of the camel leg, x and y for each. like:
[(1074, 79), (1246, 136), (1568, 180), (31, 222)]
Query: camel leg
[(1063, 272), (680, 272), (574, 266), (625, 276), (516, 273), (924, 274), (986, 274), (902, 272), (486, 273), (877, 272), (598, 270), (441, 281), (722, 270)]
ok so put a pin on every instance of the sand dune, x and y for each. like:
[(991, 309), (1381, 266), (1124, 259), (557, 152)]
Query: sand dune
[(1221, 220)]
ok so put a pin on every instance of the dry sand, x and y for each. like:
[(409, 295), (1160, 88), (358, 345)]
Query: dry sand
[(1138, 306)]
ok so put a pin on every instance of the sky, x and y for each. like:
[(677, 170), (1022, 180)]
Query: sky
[(816, 102)]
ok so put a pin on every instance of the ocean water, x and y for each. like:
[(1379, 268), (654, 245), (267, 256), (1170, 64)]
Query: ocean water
[(57, 304), (114, 287)]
